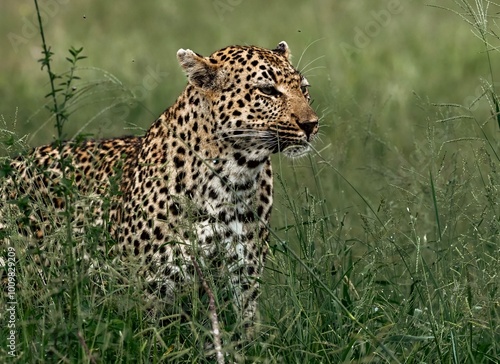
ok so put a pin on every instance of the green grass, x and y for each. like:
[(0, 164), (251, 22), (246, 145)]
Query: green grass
[(385, 243)]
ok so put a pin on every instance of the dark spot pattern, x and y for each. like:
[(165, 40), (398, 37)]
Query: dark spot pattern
[(200, 177)]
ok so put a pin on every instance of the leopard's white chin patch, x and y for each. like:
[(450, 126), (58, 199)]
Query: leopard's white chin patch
[(296, 151)]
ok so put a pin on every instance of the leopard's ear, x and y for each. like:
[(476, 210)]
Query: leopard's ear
[(283, 50), (199, 70)]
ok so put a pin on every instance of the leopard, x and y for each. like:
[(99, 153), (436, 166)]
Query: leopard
[(197, 189)]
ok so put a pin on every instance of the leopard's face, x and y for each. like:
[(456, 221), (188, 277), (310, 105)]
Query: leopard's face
[(260, 100)]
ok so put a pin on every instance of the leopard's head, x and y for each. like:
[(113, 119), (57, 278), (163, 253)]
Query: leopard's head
[(259, 100)]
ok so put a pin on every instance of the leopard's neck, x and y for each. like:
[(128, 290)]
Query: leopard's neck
[(188, 128)]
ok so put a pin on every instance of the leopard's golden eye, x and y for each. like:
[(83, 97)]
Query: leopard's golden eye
[(305, 91), (269, 90)]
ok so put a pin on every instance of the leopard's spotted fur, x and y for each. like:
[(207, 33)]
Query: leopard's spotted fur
[(199, 183)]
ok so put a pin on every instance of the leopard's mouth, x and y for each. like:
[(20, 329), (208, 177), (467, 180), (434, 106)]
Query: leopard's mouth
[(296, 151), (290, 145)]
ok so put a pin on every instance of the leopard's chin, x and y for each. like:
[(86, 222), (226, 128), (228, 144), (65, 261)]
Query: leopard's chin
[(296, 151)]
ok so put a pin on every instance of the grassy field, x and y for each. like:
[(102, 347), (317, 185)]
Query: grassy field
[(386, 242)]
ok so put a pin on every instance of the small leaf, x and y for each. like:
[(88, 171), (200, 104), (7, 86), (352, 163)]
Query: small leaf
[(6, 169), (497, 107), (54, 92)]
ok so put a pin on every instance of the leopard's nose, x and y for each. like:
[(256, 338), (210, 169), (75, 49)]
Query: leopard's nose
[(309, 127)]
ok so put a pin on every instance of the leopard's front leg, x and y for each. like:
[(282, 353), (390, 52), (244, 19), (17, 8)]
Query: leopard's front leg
[(245, 284)]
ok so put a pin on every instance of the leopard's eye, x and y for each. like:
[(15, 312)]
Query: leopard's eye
[(305, 91), (269, 90)]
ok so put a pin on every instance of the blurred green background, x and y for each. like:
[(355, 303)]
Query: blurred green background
[(376, 68), (364, 59)]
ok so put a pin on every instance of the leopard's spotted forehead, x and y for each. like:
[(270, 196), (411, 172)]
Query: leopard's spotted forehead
[(256, 62)]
